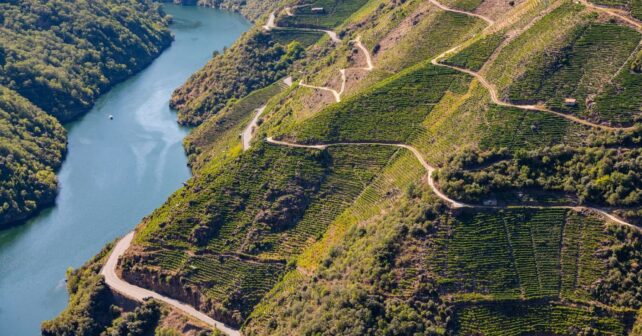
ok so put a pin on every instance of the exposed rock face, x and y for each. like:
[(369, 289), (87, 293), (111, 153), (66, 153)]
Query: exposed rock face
[(176, 287)]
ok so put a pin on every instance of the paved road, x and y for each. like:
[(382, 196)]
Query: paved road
[(139, 294)]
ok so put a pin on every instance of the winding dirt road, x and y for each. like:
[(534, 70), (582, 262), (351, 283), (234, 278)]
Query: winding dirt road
[(271, 25), (448, 9), (452, 203), (493, 90), (248, 132), (140, 294), (495, 99), (337, 94)]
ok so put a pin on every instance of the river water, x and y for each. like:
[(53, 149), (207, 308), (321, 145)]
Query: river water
[(116, 172)]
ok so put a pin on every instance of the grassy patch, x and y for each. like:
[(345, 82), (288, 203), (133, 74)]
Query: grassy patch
[(306, 38), (523, 253), (475, 55), (522, 129), (390, 111), (333, 14), (585, 63), (539, 318), (465, 5)]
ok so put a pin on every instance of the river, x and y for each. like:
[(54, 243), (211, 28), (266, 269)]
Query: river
[(116, 172)]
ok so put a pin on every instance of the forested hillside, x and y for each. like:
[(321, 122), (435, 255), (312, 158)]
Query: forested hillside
[(56, 58), (62, 55), (32, 144), (418, 167)]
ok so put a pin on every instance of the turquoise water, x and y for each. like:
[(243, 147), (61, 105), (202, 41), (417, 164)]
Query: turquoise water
[(116, 172)]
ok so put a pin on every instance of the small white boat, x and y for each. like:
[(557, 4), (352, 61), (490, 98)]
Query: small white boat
[(111, 117)]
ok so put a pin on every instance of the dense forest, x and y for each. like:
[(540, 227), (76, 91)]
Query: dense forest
[(32, 145), (70, 52), (56, 58)]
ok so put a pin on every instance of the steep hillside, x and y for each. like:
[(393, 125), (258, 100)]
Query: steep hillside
[(70, 53), (420, 168), (94, 310), (32, 145), (56, 58)]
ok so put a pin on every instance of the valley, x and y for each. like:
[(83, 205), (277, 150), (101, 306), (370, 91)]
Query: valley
[(361, 169)]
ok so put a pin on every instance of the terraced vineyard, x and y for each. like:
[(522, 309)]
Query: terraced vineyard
[(523, 253), (379, 115), (621, 100), (474, 56), (333, 13), (519, 318), (634, 7), (585, 63), (244, 222)]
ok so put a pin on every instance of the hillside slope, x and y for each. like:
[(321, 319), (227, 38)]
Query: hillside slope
[(420, 168)]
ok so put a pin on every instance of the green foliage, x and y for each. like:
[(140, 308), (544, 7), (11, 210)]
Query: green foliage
[(62, 55), (514, 318), (89, 311), (592, 175), (390, 111), (252, 63), (333, 14), (32, 145), (623, 284), (141, 322), (208, 138), (246, 218), (584, 65), (474, 56), (253, 10), (305, 37)]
